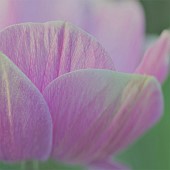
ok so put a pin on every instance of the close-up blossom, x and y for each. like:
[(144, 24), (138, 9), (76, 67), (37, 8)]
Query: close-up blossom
[(81, 88)]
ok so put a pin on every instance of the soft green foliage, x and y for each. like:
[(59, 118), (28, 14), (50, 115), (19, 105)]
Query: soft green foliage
[(157, 15), (50, 165)]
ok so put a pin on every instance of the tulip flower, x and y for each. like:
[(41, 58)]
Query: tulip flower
[(64, 97)]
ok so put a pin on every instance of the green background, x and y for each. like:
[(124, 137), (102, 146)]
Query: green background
[(152, 151)]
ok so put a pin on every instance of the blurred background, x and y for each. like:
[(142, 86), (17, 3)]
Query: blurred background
[(157, 13), (152, 151)]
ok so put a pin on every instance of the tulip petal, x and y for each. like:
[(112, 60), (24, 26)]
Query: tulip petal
[(43, 10), (119, 27), (95, 113), (156, 60), (46, 51), (106, 165), (25, 121), (6, 13)]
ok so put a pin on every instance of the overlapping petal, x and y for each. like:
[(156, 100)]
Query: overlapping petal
[(45, 51), (156, 61), (119, 27), (25, 121), (95, 113)]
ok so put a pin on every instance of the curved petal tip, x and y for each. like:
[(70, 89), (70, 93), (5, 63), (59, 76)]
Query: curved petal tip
[(156, 61)]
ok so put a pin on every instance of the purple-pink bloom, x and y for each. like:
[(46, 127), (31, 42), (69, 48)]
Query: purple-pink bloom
[(64, 97)]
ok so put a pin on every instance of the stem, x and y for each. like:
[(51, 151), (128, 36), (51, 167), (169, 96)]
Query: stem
[(35, 165), (23, 165)]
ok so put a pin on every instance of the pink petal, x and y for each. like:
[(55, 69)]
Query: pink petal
[(46, 51), (96, 113), (25, 121), (156, 60), (119, 26), (6, 13), (43, 10), (106, 165)]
